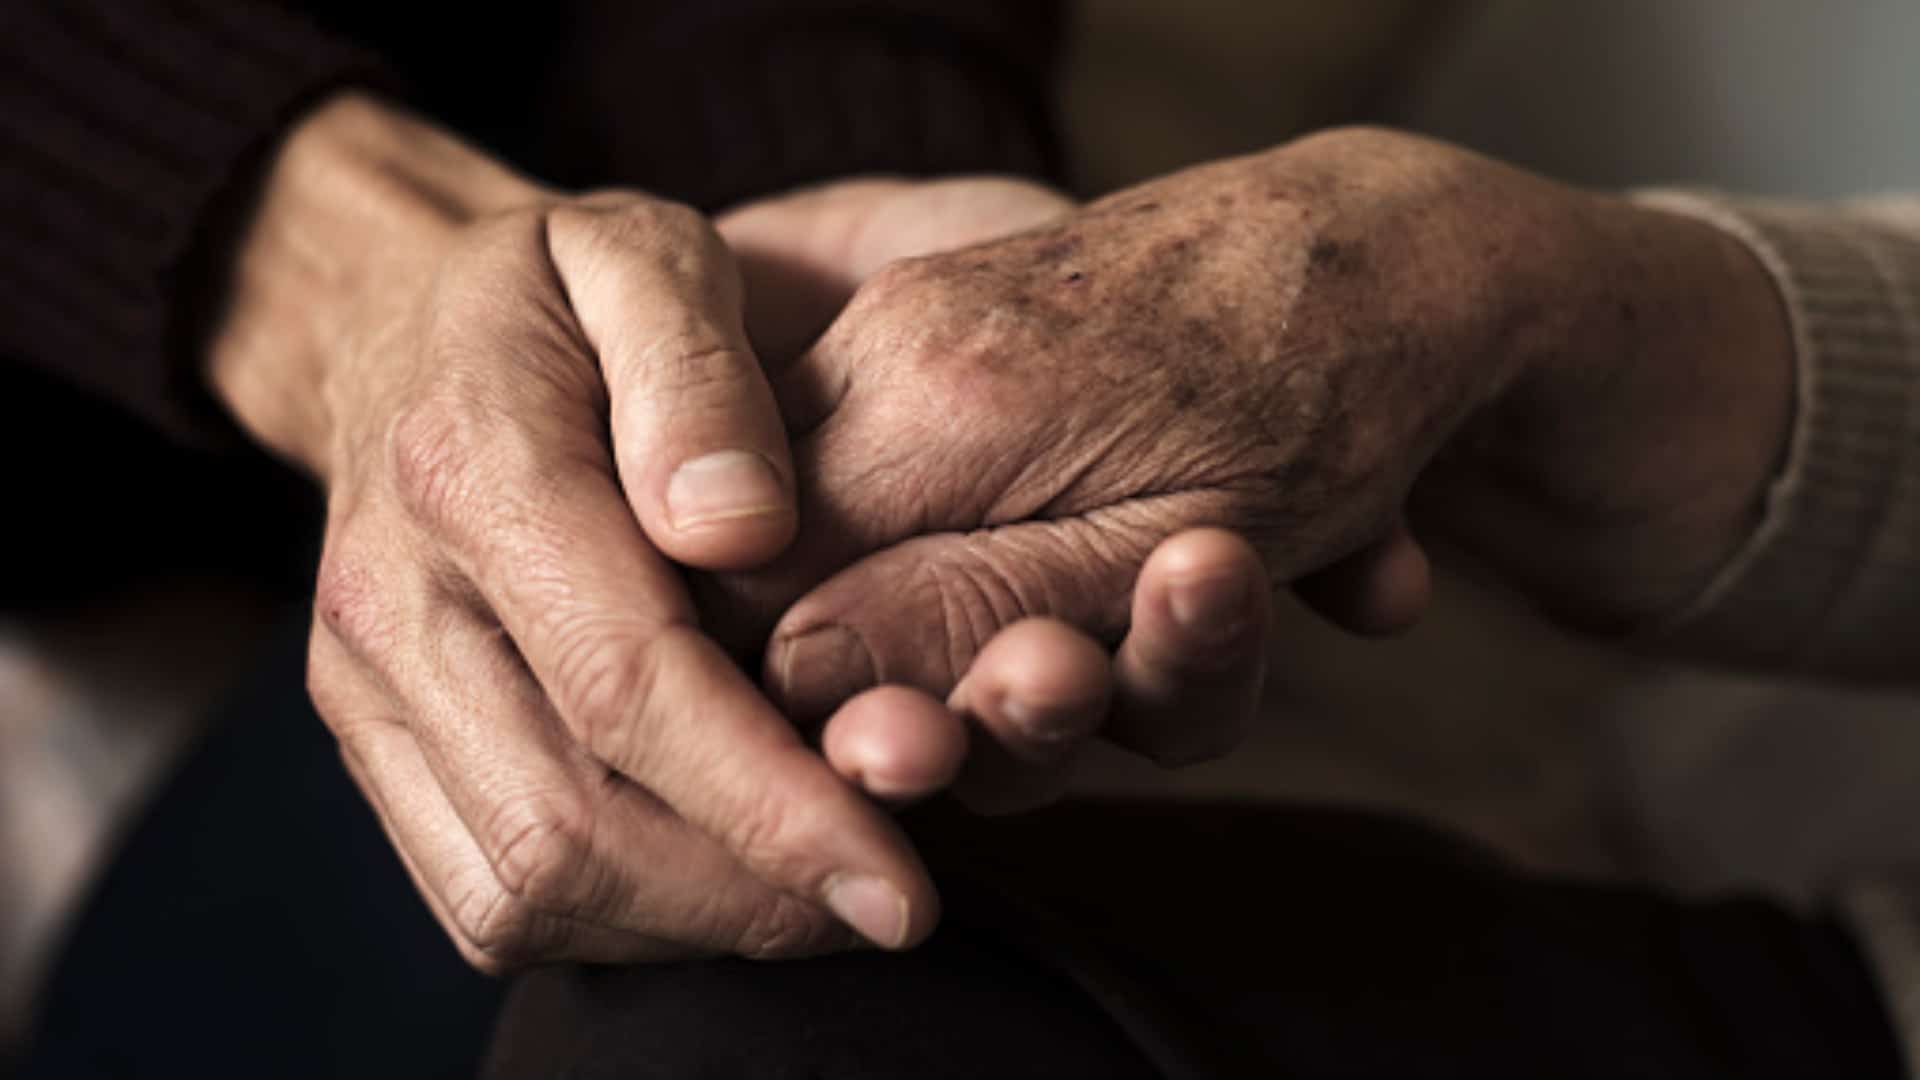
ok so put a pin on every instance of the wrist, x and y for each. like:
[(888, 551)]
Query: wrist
[(345, 229), (1635, 446)]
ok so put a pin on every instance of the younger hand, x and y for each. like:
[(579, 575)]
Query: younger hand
[(522, 407)]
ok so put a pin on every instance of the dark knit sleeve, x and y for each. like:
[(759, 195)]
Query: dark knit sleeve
[(718, 102), (124, 128), (128, 129)]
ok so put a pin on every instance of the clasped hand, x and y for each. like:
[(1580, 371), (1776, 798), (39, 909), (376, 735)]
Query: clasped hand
[(535, 417), (979, 474)]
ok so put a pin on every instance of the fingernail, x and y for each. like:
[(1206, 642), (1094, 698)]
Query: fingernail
[(724, 485), (818, 670), (1042, 724), (871, 906), (1210, 608)]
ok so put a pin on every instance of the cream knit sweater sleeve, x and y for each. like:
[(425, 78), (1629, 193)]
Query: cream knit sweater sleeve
[(1829, 583)]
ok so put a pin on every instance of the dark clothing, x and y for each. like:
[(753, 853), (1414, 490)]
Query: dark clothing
[(125, 128), (1248, 943), (129, 132), (257, 925)]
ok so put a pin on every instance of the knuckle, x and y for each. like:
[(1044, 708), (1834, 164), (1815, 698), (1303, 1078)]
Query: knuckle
[(697, 367), (606, 231), (606, 669), (890, 308), (677, 220), (356, 744), (495, 924), (775, 839), (431, 447), (483, 962), (893, 283), (355, 609), (783, 929), (327, 692), (539, 852), (974, 602)]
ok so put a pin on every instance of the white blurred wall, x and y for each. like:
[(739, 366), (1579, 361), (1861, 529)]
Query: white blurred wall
[(1810, 97)]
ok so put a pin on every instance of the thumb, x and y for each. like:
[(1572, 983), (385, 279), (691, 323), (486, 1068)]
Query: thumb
[(916, 613), (697, 437)]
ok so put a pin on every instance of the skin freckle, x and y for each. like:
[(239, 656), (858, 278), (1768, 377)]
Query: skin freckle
[(1059, 250)]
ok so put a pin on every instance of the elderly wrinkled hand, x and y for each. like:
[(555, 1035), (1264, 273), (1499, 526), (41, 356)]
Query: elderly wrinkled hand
[(1296, 346), (1186, 679), (525, 410)]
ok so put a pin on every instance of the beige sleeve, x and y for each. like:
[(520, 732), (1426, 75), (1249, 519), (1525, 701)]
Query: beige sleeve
[(1829, 583)]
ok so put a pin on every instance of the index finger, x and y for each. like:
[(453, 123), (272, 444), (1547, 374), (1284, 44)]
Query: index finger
[(608, 632)]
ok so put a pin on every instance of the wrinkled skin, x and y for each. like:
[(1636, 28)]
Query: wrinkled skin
[(1182, 686), (1228, 347), (1280, 345)]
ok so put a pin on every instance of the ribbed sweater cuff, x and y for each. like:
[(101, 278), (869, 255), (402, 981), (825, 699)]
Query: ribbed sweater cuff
[(1829, 583), (135, 126)]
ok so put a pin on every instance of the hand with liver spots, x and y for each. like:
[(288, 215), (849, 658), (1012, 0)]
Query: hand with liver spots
[(1302, 347), (1187, 678)]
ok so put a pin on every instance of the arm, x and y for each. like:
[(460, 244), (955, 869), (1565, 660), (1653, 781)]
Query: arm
[(115, 171), (132, 130), (1589, 394)]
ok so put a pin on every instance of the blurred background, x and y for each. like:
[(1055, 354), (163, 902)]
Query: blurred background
[(1580, 759)]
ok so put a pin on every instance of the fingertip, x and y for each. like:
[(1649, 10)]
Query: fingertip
[(1189, 674), (1402, 588), (896, 744), (728, 509), (1204, 551), (1202, 601), (1381, 591), (880, 911), (1039, 686)]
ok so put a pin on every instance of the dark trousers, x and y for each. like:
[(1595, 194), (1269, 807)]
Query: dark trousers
[(254, 924)]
